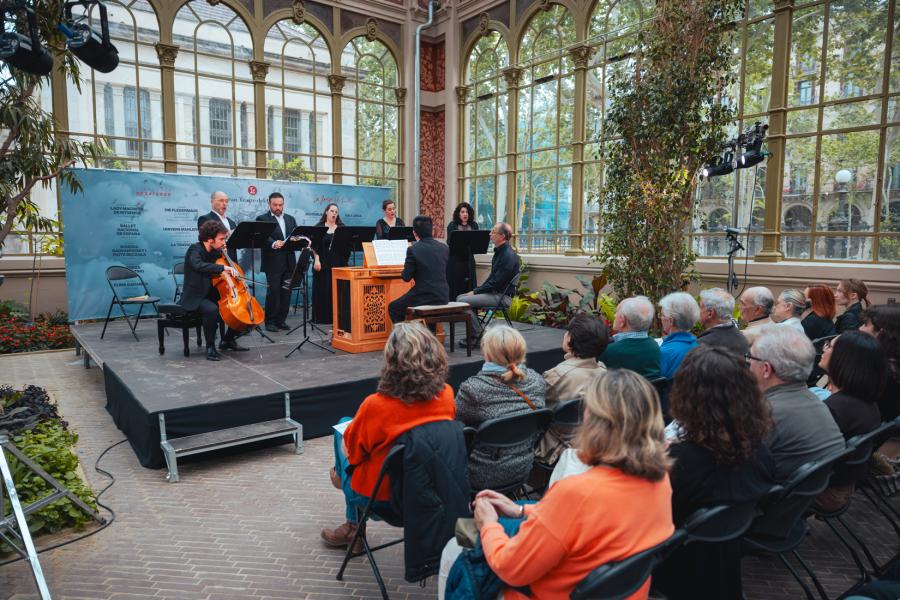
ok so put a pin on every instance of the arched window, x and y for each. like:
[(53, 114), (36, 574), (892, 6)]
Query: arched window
[(124, 107), (212, 82), (614, 27), (546, 115), (485, 126), (370, 115), (298, 103), (716, 222)]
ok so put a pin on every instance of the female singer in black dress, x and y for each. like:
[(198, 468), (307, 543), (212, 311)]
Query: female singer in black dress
[(326, 259), (390, 220), (461, 271)]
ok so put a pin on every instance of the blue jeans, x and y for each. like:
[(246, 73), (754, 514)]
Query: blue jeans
[(352, 500)]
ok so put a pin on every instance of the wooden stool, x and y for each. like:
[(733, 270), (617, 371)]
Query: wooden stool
[(176, 317), (451, 313)]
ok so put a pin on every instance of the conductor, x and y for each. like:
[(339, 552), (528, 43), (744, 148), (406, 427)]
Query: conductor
[(426, 262), (277, 263)]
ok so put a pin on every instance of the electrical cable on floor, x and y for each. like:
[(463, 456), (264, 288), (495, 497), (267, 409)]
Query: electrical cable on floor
[(112, 513)]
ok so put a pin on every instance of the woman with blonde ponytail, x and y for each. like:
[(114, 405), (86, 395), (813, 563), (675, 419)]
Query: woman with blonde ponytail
[(503, 387)]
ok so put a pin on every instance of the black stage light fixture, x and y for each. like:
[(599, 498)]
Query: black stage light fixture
[(23, 52), (720, 165), (752, 140), (92, 48)]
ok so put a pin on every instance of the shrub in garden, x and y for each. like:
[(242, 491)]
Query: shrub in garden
[(19, 334)]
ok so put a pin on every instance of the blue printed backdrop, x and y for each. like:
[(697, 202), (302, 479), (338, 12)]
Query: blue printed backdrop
[(146, 221)]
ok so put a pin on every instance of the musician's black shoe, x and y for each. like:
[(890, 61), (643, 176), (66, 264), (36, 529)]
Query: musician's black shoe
[(272, 327), (283, 326), (474, 343), (211, 353), (231, 345)]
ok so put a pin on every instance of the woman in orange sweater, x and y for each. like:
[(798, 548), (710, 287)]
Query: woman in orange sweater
[(412, 391), (619, 507)]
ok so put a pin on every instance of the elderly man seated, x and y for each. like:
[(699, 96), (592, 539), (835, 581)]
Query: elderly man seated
[(781, 359), (716, 308), (677, 312), (632, 347), (755, 305)]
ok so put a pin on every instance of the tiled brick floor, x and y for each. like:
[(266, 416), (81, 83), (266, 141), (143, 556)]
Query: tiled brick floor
[(247, 526)]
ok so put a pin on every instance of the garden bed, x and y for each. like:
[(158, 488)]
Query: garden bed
[(18, 333)]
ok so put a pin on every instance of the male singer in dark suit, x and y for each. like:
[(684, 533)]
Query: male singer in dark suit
[(426, 262), (219, 203), (198, 293), (277, 263)]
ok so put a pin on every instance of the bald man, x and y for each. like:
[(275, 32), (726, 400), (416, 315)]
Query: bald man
[(219, 203)]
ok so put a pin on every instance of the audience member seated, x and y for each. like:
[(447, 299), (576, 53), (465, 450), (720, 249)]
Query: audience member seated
[(755, 305), (585, 339), (716, 309), (721, 459), (677, 312), (819, 322), (788, 308), (412, 391), (632, 347), (850, 294), (857, 368), (503, 387), (781, 359), (619, 507), (883, 322)]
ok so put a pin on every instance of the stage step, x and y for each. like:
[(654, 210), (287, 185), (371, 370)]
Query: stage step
[(224, 438)]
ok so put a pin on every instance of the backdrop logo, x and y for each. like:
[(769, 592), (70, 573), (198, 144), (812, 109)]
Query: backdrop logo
[(251, 190)]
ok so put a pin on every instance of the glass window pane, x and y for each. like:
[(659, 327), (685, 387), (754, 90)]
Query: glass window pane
[(856, 37), (806, 54)]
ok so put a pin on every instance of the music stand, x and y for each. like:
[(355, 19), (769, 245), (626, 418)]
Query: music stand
[(301, 275), (464, 244), (352, 237), (252, 235), (401, 233)]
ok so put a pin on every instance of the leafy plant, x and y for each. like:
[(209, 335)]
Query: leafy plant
[(21, 410), (49, 444), (554, 306), (668, 113), (294, 170), (31, 152), (19, 334)]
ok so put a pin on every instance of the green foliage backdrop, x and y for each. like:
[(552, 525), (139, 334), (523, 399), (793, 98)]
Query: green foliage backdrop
[(669, 116)]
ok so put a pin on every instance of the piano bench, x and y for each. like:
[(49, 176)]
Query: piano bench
[(450, 313)]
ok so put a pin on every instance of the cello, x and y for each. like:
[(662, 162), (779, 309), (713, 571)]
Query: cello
[(237, 306)]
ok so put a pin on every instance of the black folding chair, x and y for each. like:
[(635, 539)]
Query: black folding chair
[(116, 275), (566, 417), (502, 306), (793, 497), (620, 579), (721, 523), (177, 270), (662, 386), (393, 463), (509, 432)]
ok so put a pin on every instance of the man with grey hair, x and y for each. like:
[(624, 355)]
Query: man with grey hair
[(677, 313), (495, 291), (218, 201), (632, 347), (716, 308), (756, 305), (781, 359)]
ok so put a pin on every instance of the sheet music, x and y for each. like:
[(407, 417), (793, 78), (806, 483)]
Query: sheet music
[(390, 252)]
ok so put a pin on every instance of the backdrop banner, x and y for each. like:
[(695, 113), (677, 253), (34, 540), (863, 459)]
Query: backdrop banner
[(146, 221)]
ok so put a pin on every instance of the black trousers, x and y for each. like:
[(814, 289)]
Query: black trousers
[(209, 313), (278, 299)]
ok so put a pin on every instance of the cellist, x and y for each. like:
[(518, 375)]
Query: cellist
[(198, 292)]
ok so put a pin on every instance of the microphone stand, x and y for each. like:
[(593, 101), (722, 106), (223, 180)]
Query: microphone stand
[(734, 246)]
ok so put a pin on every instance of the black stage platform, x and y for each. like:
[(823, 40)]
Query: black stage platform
[(197, 395)]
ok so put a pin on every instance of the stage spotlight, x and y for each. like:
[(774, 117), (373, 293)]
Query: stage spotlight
[(752, 140), (720, 165), (94, 49), (24, 52)]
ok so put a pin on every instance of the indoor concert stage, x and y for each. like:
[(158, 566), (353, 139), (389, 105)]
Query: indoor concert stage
[(198, 395)]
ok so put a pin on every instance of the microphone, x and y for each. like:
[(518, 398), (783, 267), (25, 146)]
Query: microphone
[(732, 231)]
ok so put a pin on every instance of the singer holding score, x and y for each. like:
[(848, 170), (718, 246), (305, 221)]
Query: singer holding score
[(278, 263), (327, 257)]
